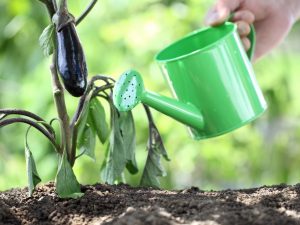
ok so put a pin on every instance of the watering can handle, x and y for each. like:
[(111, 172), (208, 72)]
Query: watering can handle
[(252, 38)]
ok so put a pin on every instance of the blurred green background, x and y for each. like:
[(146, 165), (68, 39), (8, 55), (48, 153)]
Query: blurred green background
[(123, 34)]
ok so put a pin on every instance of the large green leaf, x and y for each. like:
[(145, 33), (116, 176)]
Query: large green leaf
[(32, 174), (87, 142), (121, 148), (67, 185), (45, 40), (98, 118), (153, 168)]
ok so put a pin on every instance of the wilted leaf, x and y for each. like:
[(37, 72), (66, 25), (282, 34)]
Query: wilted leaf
[(153, 168), (97, 114), (45, 40), (32, 174), (67, 185), (128, 133), (121, 148), (87, 142)]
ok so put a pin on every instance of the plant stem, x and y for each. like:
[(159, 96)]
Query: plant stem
[(151, 125), (74, 126), (35, 125), (21, 112), (28, 114), (69, 134), (102, 88), (149, 114), (50, 7), (86, 11), (90, 86), (58, 93), (63, 5)]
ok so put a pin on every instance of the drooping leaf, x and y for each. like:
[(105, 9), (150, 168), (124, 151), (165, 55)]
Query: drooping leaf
[(116, 157), (32, 174), (108, 172), (128, 133), (153, 168), (67, 185), (45, 40), (87, 142), (97, 114), (121, 147)]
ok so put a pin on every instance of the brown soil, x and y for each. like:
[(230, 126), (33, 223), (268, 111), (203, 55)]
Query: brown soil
[(122, 205)]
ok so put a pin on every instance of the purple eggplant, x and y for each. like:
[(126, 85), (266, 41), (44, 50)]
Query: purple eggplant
[(71, 60)]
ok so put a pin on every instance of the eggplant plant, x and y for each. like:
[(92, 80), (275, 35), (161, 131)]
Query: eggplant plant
[(78, 134)]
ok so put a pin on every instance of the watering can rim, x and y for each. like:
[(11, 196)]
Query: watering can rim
[(191, 34)]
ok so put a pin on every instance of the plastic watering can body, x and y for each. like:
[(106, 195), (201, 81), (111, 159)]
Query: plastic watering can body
[(212, 81)]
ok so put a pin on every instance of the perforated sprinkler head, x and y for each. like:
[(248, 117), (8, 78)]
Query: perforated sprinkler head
[(128, 90)]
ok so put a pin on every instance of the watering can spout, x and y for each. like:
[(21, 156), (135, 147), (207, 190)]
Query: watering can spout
[(182, 112), (129, 91)]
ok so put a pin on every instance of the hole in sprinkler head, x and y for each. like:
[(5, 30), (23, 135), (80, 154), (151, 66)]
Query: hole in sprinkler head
[(127, 106)]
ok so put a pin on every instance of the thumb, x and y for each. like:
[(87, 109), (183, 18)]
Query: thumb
[(221, 11)]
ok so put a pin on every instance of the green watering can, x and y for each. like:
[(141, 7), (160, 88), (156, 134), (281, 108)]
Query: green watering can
[(211, 78)]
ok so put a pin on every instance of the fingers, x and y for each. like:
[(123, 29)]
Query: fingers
[(246, 43), (243, 19), (243, 28), (243, 15), (221, 11)]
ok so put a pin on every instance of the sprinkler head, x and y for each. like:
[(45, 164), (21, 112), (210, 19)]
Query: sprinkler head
[(128, 90)]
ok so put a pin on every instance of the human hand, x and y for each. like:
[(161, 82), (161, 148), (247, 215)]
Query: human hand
[(272, 20)]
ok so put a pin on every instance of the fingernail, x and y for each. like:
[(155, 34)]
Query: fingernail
[(212, 17)]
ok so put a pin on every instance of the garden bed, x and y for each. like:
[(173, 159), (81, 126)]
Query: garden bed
[(122, 204)]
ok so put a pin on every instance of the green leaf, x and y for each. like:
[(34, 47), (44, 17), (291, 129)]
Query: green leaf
[(109, 172), (32, 174), (87, 142), (153, 168), (67, 185), (45, 40), (97, 114), (121, 148), (128, 133)]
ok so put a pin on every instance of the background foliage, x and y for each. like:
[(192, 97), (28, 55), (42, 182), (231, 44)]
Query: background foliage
[(123, 34)]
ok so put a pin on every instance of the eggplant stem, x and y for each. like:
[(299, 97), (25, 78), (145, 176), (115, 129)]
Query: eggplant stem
[(86, 11)]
